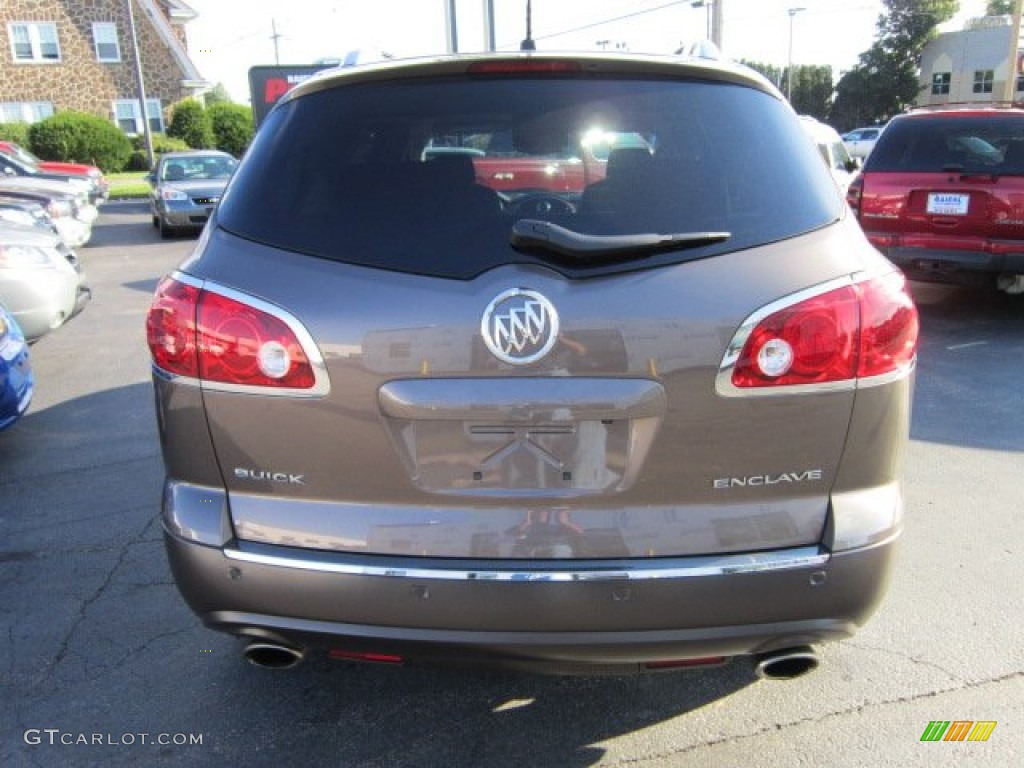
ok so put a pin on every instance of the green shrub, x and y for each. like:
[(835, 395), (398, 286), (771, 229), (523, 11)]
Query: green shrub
[(76, 137), (190, 123), (232, 127), (139, 161), (16, 132)]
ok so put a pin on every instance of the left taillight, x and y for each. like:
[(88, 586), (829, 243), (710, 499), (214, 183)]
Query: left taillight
[(226, 341), (171, 328)]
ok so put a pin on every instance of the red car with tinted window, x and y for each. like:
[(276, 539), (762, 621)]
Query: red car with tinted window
[(942, 195)]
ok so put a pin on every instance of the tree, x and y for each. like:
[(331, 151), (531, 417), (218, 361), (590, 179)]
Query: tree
[(217, 95), (190, 123), (770, 71), (812, 86), (232, 127), (999, 8), (812, 91), (885, 80)]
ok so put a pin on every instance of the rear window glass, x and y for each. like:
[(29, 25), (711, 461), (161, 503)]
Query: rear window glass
[(430, 176), (986, 144)]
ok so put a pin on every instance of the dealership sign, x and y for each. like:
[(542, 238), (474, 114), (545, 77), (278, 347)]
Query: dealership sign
[(267, 84)]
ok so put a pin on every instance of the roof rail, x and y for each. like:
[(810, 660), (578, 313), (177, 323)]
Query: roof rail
[(967, 105)]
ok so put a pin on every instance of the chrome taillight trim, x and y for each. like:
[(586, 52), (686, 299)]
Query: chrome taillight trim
[(321, 382), (682, 568)]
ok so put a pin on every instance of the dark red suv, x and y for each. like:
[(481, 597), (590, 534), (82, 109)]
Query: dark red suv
[(942, 195)]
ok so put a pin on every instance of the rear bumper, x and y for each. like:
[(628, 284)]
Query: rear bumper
[(969, 262), (624, 612)]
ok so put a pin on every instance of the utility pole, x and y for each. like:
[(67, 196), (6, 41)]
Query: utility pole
[(275, 37), (489, 36), (1012, 71), (146, 132), (789, 71), (717, 22), (450, 27)]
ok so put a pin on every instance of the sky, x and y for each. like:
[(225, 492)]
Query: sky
[(229, 36)]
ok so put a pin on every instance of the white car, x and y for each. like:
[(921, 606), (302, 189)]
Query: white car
[(41, 281), (833, 151), (860, 141)]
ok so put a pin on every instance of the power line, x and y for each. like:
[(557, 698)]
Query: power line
[(634, 14)]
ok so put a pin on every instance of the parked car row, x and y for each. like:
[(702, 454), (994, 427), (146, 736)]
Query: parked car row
[(46, 211), (18, 161)]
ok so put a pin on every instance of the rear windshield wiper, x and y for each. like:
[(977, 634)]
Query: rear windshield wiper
[(543, 236)]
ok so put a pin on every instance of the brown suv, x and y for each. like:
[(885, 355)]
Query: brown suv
[(657, 421), (942, 195)]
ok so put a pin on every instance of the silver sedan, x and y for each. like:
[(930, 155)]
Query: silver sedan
[(41, 282)]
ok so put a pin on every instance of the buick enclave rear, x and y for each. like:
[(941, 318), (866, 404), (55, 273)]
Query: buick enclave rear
[(411, 411)]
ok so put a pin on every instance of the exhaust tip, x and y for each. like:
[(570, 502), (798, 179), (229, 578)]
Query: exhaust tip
[(273, 655), (786, 664)]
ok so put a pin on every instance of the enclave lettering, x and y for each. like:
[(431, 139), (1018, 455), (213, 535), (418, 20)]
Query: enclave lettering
[(755, 481)]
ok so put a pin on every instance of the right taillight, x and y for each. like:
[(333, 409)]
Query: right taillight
[(888, 326), (231, 342), (827, 339)]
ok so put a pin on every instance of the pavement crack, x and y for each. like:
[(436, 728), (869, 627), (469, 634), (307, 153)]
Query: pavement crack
[(83, 608), (909, 657)]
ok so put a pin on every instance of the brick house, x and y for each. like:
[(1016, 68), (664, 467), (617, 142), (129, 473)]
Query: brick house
[(77, 55)]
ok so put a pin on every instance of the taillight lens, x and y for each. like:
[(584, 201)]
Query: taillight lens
[(812, 342), (206, 335), (241, 345), (889, 326), (171, 328), (855, 192), (853, 332)]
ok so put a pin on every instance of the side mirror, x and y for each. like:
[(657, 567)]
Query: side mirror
[(9, 172), (151, 177), (854, 164)]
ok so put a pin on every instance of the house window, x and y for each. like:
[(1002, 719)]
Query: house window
[(104, 36), (34, 41), (126, 115), (25, 111), (983, 80), (940, 83)]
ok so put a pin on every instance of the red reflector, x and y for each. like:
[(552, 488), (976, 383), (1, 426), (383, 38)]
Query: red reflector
[(678, 663), (523, 67), (378, 658)]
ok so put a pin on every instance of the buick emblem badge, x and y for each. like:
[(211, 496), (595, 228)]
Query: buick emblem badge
[(519, 326)]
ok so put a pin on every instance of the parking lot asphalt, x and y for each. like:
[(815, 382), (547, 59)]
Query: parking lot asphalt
[(103, 664)]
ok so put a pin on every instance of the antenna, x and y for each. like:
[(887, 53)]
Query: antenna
[(528, 44)]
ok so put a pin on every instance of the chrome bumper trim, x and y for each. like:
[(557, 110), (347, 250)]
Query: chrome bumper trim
[(690, 567)]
